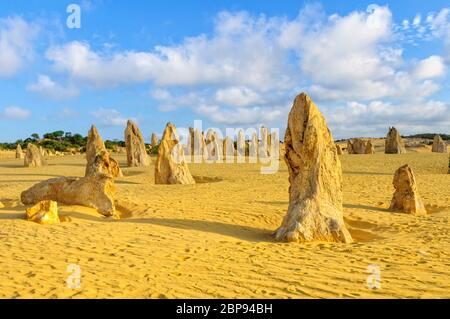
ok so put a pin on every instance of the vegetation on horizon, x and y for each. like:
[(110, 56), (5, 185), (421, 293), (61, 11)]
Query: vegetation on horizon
[(59, 141)]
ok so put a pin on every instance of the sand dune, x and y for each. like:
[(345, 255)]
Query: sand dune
[(212, 239)]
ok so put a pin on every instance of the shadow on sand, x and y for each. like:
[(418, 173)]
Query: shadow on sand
[(379, 209), (240, 232)]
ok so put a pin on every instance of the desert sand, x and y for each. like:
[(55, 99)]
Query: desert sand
[(213, 239)]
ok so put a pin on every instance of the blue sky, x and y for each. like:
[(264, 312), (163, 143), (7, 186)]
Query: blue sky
[(367, 65)]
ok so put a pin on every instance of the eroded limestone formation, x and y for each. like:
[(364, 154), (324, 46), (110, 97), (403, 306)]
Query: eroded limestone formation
[(439, 145), (315, 177), (134, 142), (105, 164), (154, 140), (19, 152), (171, 166), (406, 196), (33, 157), (394, 143), (93, 191), (338, 149), (228, 149), (263, 148), (240, 143), (98, 158), (360, 146)]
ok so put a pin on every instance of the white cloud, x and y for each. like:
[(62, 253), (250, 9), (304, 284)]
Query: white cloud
[(250, 68), (48, 88), (16, 44), (237, 96), (16, 113), (430, 67), (110, 117)]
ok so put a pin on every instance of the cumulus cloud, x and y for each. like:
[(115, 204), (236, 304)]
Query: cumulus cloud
[(430, 67), (109, 117), (249, 68), (16, 113), (16, 44), (48, 88)]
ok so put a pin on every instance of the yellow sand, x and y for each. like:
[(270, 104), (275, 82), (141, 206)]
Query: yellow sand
[(212, 239)]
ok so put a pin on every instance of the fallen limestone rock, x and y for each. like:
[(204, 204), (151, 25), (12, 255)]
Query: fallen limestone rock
[(33, 157), (315, 194), (44, 213), (171, 166), (406, 196), (134, 142), (91, 191), (439, 145), (394, 143)]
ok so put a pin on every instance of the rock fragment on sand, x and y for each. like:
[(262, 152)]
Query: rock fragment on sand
[(44, 213), (315, 195), (439, 146), (406, 197), (134, 142), (394, 143), (33, 157), (171, 166), (92, 191)]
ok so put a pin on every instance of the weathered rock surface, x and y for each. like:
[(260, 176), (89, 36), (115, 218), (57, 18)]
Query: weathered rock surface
[(154, 140), (171, 166), (98, 158), (135, 145), (439, 145), (394, 143), (370, 149), (253, 147), (263, 149), (240, 143), (92, 191), (105, 164), (228, 149), (338, 149), (19, 152), (360, 146), (214, 146), (44, 213), (315, 177), (33, 157), (406, 196)]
